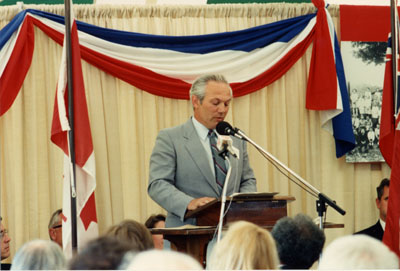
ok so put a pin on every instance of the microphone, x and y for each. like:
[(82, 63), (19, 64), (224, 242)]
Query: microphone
[(224, 144), (224, 128)]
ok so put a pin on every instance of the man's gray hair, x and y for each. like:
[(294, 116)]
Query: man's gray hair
[(39, 255), (360, 251), (55, 218), (198, 88)]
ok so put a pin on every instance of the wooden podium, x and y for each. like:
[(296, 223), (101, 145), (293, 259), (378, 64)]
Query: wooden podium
[(263, 209)]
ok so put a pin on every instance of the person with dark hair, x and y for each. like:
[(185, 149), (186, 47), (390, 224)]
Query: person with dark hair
[(299, 241), (156, 221), (4, 245), (102, 253), (55, 227), (138, 236), (39, 255), (381, 201), (186, 171)]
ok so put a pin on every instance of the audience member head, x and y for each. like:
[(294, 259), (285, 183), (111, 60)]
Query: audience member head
[(134, 232), (299, 241), (210, 96), (355, 252), (163, 260), (5, 241), (382, 198), (55, 227), (39, 255), (156, 221), (104, 252), (244, 246)]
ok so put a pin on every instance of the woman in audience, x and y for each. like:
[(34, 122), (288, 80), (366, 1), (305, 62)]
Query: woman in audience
[(156, 221), (133, 232), (39, 255), (244, 246)]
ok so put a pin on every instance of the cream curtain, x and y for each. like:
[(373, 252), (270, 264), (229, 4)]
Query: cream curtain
[(125, 122)]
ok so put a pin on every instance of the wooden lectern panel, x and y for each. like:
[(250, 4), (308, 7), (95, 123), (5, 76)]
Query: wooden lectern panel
[(263, 209), (260, 210)]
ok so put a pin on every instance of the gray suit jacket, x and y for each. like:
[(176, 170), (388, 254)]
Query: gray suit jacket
[(180, 172)]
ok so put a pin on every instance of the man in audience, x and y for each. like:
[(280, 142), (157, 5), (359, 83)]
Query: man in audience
[(5, 244), (156, 221), (55, 227), (299, 241), (381, 201), (39, 255), (358, 252), (185, 171)]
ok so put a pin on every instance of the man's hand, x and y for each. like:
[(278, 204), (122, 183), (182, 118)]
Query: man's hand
[(196, 203)]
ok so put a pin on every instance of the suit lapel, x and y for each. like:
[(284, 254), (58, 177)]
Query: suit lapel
[(198, 154)]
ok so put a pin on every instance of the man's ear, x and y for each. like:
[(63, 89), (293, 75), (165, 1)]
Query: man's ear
[(195, 101), (377, 202), (52, 234)]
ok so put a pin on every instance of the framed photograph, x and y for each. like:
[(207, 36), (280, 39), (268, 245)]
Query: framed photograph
[(364, 66)]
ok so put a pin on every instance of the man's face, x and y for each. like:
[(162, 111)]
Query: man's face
[(382, 203), (5, 243), (56, 233), (214, 106)]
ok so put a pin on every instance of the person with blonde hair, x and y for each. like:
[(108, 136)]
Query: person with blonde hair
[(244, 246)]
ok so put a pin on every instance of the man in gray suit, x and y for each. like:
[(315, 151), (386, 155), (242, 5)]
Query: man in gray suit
[(182, 175)]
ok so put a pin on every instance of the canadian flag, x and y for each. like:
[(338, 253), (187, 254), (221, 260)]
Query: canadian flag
[(87, 227), (391, 236)]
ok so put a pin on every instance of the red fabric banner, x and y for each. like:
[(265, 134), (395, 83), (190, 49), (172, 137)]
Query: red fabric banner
[(364, 23)]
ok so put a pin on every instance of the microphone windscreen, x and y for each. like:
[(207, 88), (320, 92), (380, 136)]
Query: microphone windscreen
[(224, 128)]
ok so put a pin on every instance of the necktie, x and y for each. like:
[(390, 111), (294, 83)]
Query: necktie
[(219, 162)]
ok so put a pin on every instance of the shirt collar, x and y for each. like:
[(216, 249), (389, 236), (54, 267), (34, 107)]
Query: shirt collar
[(383, 224), (201, 130)]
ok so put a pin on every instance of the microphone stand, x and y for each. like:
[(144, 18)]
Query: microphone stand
[(224, 154), (322, 198)]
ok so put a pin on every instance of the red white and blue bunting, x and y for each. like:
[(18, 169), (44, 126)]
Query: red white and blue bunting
[(166, 65)]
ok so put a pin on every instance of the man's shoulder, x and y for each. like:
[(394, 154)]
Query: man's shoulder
[(374, 231), (177, 128)]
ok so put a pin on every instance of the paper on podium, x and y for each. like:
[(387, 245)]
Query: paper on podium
[(253, 195), (189, 226)]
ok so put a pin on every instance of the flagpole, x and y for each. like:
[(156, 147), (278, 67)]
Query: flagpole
[(395, 52), (74, 232)]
